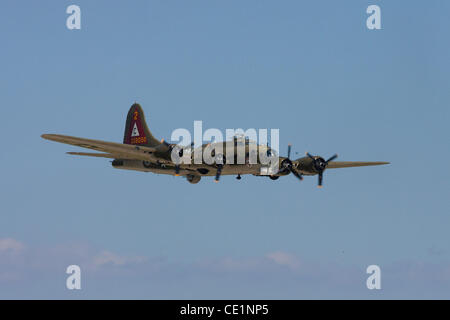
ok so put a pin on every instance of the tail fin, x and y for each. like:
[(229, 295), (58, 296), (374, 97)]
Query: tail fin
[(136, 130)]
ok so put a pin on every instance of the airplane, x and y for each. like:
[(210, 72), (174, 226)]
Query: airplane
[(141, 151)]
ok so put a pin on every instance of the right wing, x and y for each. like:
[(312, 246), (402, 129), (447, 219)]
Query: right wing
[(349, 164), (110, 149)]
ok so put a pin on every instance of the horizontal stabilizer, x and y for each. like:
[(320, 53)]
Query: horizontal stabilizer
[(119, 150)]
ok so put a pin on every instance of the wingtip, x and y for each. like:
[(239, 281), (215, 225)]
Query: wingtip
[(49, 136)]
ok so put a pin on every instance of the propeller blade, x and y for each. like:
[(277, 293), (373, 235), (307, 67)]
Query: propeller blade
[(177, 170), (332, 158), (219, 172), (309, 155), (289, 151), (320, 179), (295, 173)]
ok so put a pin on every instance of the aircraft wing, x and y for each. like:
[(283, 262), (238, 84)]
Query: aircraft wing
[(349, 164), (110, 149), (100, 155)]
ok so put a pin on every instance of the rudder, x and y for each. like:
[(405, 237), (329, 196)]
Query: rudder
[(136, 130)]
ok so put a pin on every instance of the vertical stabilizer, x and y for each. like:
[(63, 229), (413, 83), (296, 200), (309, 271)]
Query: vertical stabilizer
[(136, 130)]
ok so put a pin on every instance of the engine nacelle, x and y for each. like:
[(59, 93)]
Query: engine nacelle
[(192, 178), (309, 166)]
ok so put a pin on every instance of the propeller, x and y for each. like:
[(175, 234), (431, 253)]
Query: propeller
[(320, 165), (218, 173), (286, 165), (180, 154), (220, 161)]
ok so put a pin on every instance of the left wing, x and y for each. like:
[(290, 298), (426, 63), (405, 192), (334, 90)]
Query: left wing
[(92, 154), (349, 164), (110, 149)]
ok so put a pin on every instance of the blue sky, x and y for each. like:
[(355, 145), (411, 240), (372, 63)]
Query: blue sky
[(310, 68)]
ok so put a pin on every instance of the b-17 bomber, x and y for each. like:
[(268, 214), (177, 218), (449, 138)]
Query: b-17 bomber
[(141, 151)]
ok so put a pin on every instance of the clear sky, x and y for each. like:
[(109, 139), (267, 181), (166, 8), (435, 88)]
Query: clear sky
[(309, 68)]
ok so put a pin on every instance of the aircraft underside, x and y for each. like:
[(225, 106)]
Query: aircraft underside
[(197, 169)]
